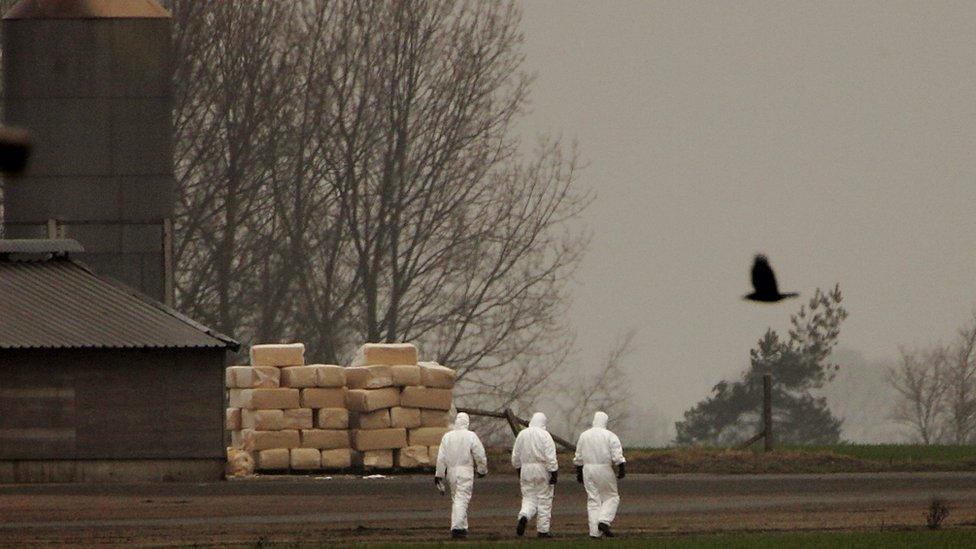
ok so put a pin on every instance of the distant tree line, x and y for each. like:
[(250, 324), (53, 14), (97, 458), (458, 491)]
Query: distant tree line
[(349, 171)]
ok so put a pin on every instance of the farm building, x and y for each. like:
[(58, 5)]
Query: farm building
[(98, 381)]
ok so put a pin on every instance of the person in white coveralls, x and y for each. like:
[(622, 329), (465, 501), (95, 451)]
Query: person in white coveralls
[(534, 458), (460, 457), (597, 451)]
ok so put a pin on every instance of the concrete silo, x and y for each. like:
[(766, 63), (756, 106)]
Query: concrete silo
[(91, 81)]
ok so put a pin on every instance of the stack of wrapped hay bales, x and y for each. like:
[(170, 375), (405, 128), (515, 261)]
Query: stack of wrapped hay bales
[(285, 414), (385, 411), (396, 418)]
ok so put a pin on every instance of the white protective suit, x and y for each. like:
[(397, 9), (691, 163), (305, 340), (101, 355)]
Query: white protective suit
[(460, 454), (598, 450), (535, 454)]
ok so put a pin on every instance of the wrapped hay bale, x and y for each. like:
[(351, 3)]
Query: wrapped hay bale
[(408, 418), (237, 439), (436, 376), (378, 439), (406, 374), (385, 353), (368, 400), (325, 439), (275, 459), (323, 397), (435, 418), (278, 355), (427, 436), (369, 377), (299, 376), (374, 459), (332, 418), (267, 440), (298, 418), (239, 463), (412, 457), (339, 458), (432, 452), (232, 419), (379, 419), (306, 459), (424, 397), (263, 420), (252, 377), (264, 399), (329, 375)]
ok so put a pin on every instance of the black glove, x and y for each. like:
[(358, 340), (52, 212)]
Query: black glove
[(621, 470), (553, 476), (518, 472), (438, 481), (579, 474), (481, 475)]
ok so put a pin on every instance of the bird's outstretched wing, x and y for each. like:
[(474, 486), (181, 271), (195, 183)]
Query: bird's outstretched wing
[(763, 279)]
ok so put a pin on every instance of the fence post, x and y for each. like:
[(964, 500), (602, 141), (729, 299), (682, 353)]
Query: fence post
[(767, 412)]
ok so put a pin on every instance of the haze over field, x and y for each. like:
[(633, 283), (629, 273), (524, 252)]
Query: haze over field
[(836, 137)]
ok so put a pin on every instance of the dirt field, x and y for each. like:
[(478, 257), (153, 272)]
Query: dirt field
[(308, 510)]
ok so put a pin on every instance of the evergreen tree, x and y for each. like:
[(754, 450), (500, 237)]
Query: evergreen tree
[(799, 365)]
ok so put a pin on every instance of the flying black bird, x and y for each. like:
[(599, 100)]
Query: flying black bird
[(764, 283)]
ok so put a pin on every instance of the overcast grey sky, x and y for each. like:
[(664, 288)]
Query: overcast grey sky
[(837, 137)]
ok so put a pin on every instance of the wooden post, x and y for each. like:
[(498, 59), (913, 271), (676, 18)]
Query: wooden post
[(767, 412), (52, 228)]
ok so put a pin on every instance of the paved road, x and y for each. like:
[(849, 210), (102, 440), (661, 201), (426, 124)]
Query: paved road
[(407, 507)]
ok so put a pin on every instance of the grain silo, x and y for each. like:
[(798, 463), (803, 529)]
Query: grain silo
[(91, 81)]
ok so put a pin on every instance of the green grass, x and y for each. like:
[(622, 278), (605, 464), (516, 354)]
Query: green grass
[(892, 539), (900, 453)]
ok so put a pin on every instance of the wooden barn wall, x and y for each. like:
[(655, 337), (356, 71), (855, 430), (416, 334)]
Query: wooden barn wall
[(111, 404)]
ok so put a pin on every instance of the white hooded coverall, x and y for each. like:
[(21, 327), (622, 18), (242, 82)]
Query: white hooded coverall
[(598, 450), (535, 454), (460, 453)]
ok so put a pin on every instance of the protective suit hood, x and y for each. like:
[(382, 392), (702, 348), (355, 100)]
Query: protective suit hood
[(600, 420), (461, 421), (538, 420)]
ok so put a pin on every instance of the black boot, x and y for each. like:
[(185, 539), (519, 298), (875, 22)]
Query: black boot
[(604, 528), (520, 528), (459, 534), (545, 535)]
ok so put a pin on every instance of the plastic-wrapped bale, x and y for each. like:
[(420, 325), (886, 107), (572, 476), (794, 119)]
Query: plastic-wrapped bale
[(299, 376), (435, 418), (378, 439), (329, 375), (412, 457), (374, 459), (267, 440), (406, 374), (237, 439), (408, 418), (339, 458), (264, 399), (306, 459), (252, 377), (263, 420), (325, 439), (232, 419), (423, 397), (426, 436), (239, 463), (385, 353), (278, 355), (378, 419), (368, 400), (298, 418), (274, 459), (323, 397), (436, 376), (332, 418), (369, 377), (432, 452)]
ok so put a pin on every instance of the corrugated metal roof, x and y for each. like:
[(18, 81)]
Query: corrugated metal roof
[(59, 303), (87, 9)]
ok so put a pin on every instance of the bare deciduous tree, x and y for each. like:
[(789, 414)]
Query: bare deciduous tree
[(919, 379)]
